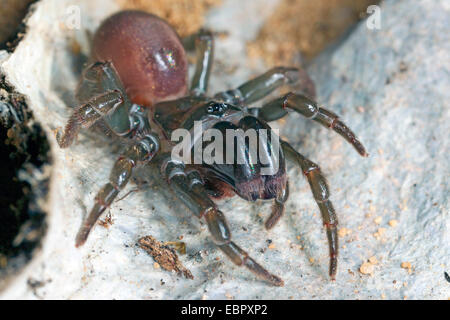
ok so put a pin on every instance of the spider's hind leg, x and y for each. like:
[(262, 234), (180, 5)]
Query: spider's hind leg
[(102, 97), (203, 43), (87, 115), (97, 78)]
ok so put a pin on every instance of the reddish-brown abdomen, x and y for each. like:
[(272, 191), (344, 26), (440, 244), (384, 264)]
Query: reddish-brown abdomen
[(146, 52)]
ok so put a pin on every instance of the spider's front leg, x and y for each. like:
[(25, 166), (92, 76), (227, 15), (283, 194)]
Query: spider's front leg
[(188, 187), (301, 104), (261, 86), (321, 194), (143, 150), (277, 208)]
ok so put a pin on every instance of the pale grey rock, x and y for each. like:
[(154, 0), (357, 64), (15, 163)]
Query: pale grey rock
[(389, 85)]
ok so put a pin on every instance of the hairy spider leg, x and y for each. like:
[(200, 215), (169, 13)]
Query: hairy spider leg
[(321, 195), (105, 102), (88, 114), (188, 187), (142, 150), (203, 43), (301, 104), (263, 85)]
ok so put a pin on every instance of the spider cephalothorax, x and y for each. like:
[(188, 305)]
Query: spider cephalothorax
[(137, 89)]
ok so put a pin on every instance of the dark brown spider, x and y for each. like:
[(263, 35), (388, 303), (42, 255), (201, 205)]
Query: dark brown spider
[(137, 89)]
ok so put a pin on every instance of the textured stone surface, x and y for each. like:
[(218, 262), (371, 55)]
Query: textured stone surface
[(389, 85)]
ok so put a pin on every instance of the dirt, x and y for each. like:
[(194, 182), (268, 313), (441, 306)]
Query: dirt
[(305, 26), (296, 31), (185, 16), (24, 152), (107, 222), (11, 27), (165, 256)]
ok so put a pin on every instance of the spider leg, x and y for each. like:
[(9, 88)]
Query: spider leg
[(190, 190), (321, 194), (104, 101), (203, 42), (279, 107), (143, 150), (87, 114), (97, 78), (277, 208), (263, 85)]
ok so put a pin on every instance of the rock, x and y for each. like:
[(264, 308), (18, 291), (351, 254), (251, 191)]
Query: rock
[(389, 85)]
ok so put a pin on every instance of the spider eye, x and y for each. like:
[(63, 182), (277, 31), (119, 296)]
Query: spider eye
[(216, 108)]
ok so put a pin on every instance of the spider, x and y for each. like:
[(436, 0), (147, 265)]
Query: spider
[(136, 87)]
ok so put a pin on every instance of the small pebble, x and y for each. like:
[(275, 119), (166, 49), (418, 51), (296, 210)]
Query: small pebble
[(393, 223), (406, 265), (367, 268), (373, 260), (379, 233), (343, 232)]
